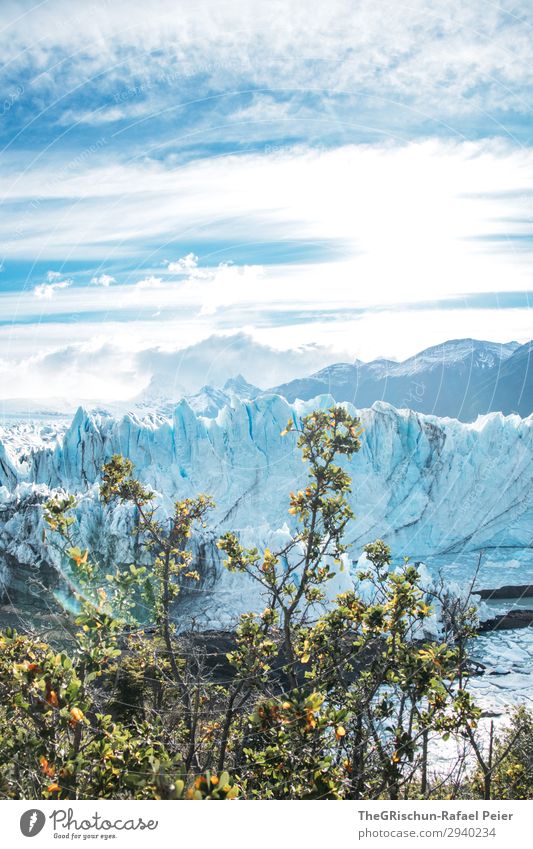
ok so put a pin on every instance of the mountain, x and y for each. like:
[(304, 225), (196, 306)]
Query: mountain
[(207, 402), (512, 392), (426, 485), (458, 379), (241, 388)]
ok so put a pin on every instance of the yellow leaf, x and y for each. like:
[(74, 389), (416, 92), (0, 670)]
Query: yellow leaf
[(80, 558), (52, 698), (45, 766), (77, 715)]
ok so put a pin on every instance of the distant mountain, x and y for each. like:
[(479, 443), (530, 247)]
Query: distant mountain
[(461, 379), (512, 392), (208, 401), (241, 388)]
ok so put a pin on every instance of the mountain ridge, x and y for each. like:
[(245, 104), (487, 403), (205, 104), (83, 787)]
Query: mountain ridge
[(461, 379)]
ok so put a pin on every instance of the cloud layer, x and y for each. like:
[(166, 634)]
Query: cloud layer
[(110, 372), (446, 56), (358, 180)]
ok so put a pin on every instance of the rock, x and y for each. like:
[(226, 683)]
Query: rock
[(517, 591), (508, 621)]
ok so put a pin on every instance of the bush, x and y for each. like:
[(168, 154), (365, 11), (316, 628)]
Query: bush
[(511, 760), (321, 700)]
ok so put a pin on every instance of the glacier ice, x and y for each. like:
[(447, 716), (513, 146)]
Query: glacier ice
[(431, 487)]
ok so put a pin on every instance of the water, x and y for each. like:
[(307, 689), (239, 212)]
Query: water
[(507, 655)]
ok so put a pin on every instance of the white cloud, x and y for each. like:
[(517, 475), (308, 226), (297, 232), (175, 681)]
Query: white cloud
[(212, 287), (55, 283), (188, 283), (415, 222), (218, 357), (150, 282), (400, 333), (103, 280), (186, 265), (438, 55), (74, 372), (392, 223), (229, 284), (105, 114), (107, 372), (423, 219)]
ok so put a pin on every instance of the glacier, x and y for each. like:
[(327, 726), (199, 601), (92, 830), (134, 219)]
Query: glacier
[(436, 489)]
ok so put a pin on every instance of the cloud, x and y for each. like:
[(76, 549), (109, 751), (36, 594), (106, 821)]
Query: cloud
[(107, 372), (75, 372), (226, 135), (214, 287), (103, 280), (445, 56), (104, 114), (186, 265), (150, 282), (424, 218), (215, 359), (55, 282), (229, 284), (188, 283)]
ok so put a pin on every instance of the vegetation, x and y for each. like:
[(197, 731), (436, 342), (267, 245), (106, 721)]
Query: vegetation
[(341, 700)]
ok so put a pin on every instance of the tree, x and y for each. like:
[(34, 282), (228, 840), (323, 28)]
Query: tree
[(509, 764), (171, 561), (362, 689), (61, 737)]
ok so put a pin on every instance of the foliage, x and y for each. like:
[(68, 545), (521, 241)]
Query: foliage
[(511, 760), (319, 697), (55, 744)]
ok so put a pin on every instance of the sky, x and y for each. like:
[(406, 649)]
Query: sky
[(256, 188)]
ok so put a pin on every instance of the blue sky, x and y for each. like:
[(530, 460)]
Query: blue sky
[(354, 182)]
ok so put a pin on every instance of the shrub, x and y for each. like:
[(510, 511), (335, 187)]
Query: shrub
[(318, 700)]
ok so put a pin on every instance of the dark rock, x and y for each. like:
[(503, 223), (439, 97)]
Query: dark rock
[(508, 621), (518, 591)]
